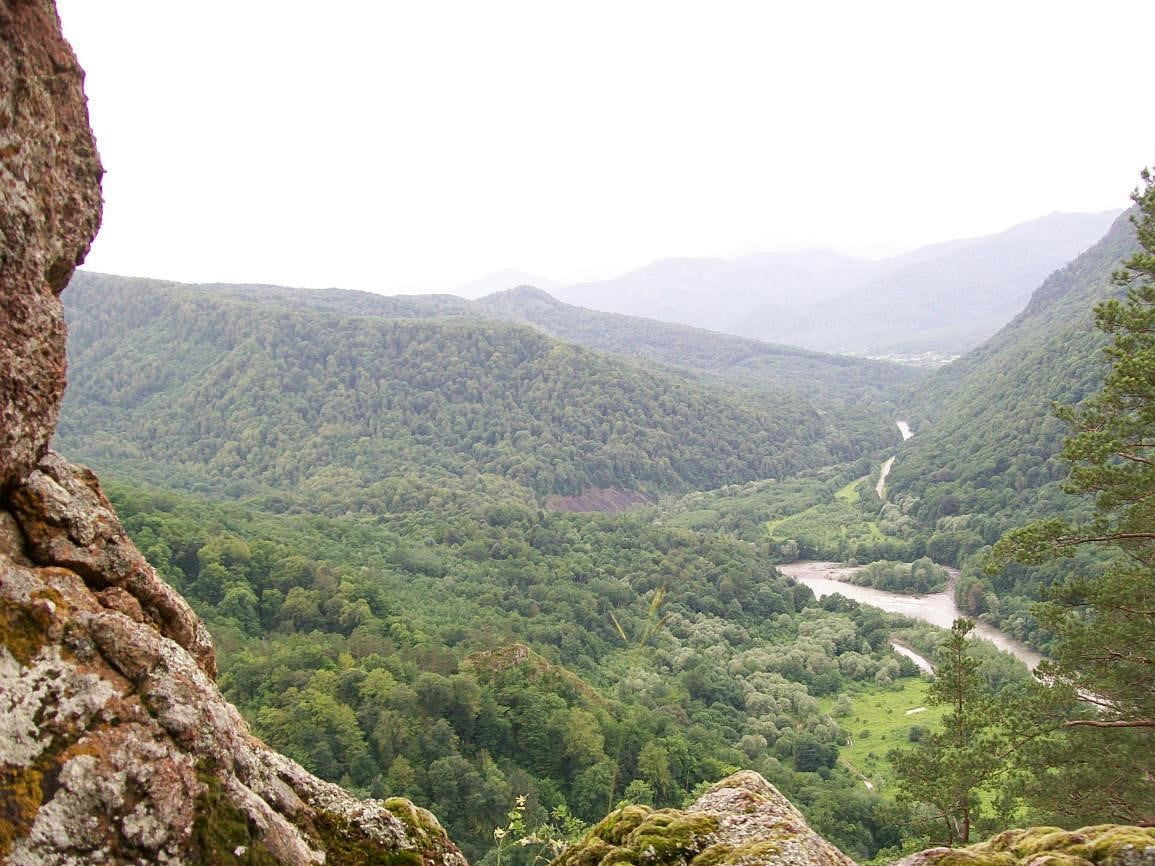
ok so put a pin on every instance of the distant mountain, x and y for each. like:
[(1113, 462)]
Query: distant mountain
[(716, 293), (940, 300), (352, 400), (500, 281)]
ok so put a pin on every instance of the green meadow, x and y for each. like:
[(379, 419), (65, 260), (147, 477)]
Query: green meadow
[(881, 720)]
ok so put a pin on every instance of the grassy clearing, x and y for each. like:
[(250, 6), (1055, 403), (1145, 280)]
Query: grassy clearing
[(829, 529), (851, 493), (879, 721)]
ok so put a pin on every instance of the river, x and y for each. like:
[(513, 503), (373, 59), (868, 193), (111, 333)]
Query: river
[(880, 487), (938, 608)]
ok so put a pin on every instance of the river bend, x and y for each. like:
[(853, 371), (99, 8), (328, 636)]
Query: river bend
[(827, 578)]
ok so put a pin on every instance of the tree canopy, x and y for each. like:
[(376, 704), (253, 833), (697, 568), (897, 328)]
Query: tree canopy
[(1106, 625)]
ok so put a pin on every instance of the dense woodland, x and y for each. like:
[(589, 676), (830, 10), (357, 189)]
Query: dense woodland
[(206, 390), (447, 659), (351, 490)]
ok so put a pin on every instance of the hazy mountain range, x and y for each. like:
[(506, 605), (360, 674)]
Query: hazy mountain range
[(933, 303)]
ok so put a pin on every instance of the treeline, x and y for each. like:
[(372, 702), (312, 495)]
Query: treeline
[(837, 380)]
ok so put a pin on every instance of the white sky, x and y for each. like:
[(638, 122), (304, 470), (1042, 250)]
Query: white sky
[(419, 145)]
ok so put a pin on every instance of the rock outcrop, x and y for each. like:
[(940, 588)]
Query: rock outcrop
[(741, 821), (744, 821), (115, 744), (1104, 845), (49, 212)]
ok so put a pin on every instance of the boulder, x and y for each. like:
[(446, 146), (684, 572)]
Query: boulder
[(741, 821)]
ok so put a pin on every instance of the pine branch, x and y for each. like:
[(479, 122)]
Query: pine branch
[(1119, 723)]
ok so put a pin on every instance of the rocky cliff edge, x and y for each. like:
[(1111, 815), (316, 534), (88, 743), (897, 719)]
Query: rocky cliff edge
[(115, 744)]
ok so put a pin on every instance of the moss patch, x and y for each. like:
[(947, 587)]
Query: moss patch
[(24, 628), (1103, 845), (19, 805), (672, 837), (222, 833), (419, 824), (345, 844), (737, 855), (639, 835), (969, 857)]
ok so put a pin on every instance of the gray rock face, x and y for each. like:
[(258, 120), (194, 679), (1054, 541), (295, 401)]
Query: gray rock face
[(49, 212), (66, 521)]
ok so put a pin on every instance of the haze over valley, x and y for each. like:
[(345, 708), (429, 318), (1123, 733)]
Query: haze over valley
[(925, 307)]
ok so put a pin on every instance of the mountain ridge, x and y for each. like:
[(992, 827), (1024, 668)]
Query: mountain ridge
[(781, 303)]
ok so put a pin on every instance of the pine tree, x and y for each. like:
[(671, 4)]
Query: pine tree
[(1106, 624), (948, 767)]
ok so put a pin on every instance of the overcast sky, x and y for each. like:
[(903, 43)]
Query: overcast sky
[(401, 146)]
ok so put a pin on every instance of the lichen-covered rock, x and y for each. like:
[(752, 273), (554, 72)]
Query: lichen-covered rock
[(67, 521), (116, 745), (1102, 845), (741, 821), (49, 212)]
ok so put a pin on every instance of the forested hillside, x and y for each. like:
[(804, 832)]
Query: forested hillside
[(835, 379), (987, 437), (467, 659), (341, 398)]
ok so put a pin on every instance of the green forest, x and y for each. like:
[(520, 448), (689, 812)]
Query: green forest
[(353, 492)]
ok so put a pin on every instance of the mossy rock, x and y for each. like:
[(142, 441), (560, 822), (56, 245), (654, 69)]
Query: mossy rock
[(420, 824), (346, 845), (222, 833), (673, 837), (738, 855), (616, 826), (641, 836), (1102, 845)]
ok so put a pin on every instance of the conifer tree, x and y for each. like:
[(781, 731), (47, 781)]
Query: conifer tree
[(1106, 624), (948, 767)]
